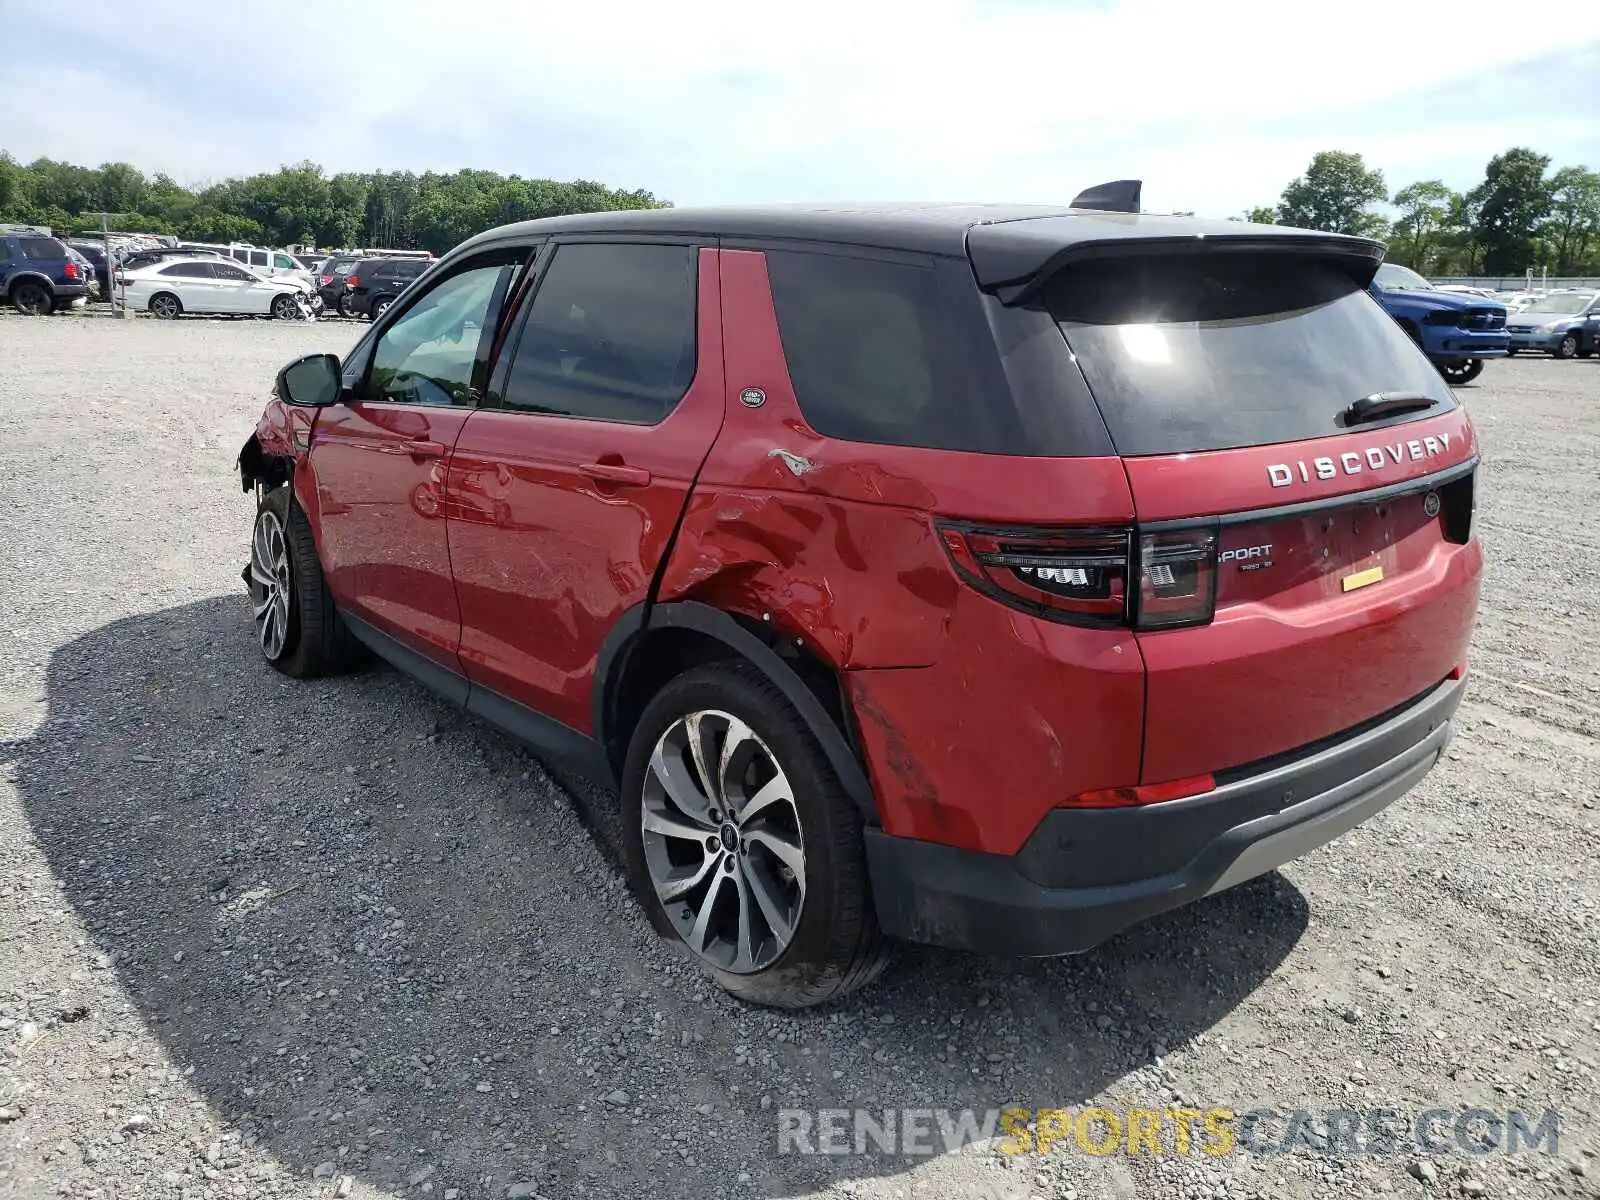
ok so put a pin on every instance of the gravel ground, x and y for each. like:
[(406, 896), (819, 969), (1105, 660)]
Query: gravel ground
[(268, 939)]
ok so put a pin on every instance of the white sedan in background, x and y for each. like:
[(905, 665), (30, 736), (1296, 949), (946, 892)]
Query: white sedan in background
[(212, 285)]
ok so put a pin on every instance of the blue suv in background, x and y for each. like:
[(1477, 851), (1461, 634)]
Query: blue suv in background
[(1457, 332), (39, 274)]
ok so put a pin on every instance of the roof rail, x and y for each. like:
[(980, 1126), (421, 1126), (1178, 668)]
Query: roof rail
[(1120, 195)]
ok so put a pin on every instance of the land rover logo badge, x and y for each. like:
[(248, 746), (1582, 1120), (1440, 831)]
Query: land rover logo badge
[(752, 397), (1430, 504)]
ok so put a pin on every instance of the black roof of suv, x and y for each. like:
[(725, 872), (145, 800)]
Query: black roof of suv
[(1007, 243)]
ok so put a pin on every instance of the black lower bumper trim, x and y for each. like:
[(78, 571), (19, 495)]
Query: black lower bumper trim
[(944, 895)]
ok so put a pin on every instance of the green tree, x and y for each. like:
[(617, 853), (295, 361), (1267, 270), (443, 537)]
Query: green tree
[(1424, 214), (1335, 194), (1574, 216), (1262, 214), (1512, 201)]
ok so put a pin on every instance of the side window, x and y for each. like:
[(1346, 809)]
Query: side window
[(42, 248), (865, 354), (228, 271), (258, 258), (240, 255), (430, 355), (284, 262), (186, 271), (610, 335)]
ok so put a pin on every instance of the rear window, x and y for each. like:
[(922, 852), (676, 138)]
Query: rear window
[(42, 248), (1214, 351)]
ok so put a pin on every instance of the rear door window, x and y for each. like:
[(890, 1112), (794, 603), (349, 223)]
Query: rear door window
[(1215, 351), (610, 335), (42, 248)]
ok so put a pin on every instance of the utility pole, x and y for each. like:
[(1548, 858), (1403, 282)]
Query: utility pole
[(111, 265)]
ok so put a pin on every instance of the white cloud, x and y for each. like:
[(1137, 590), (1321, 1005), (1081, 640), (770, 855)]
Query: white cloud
[(980, 99)]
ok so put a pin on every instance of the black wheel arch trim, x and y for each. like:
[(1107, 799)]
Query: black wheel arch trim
[(611, 667)]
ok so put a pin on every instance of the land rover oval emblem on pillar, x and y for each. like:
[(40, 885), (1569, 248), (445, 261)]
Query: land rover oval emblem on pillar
[(1430, 504), (752, 397)]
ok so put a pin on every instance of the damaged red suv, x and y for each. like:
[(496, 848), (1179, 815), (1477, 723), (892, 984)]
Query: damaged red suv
[(992, 577)]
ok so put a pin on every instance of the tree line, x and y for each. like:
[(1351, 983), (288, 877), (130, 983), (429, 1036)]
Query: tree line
[(296, 205), (1520, 216)]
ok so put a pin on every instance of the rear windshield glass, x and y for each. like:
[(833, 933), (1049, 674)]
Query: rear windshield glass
[(1211, 352)]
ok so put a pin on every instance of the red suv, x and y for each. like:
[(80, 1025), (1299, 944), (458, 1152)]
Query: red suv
[(993, 577)]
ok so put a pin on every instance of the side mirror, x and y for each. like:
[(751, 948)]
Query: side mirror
[(311, 382)]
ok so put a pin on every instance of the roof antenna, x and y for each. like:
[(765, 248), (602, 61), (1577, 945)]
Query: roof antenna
[(1120, 195)]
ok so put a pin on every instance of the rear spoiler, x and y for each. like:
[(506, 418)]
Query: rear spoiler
[(1014, 259)]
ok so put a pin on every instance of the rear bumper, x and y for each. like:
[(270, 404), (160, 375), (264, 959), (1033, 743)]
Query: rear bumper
[(1086, 874)]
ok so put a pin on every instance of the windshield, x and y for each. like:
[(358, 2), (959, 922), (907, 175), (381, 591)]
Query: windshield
[(1393, 277), (1570, 302)]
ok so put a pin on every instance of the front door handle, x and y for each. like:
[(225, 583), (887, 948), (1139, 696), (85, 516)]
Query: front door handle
[(616, 473), (423, 448)]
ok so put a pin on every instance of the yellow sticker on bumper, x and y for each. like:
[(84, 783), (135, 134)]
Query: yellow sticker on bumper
[(1361, 579)]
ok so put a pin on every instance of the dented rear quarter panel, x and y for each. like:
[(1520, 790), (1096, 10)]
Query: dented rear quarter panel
[(834, 544)]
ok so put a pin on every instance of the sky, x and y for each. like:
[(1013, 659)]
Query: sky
[(1215, 104)]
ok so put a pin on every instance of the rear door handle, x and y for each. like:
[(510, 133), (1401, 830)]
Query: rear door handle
[(616, 473), (423, 448)]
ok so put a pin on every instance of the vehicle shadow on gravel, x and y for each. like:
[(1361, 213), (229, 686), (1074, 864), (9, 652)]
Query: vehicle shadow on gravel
[(382, 945)]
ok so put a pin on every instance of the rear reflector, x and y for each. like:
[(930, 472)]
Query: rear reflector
[(1144, 793)]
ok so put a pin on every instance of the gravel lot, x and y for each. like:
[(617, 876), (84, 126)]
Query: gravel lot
[(266, 939)]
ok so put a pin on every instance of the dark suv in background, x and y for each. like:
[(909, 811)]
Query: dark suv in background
[(39, 274), (375, 283), (989, 576), (332, 283)]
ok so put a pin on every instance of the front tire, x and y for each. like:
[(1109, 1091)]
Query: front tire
[(742, 845), (296, 624), (1567, 347), (285, 307), (32, 299), (1457, 373)]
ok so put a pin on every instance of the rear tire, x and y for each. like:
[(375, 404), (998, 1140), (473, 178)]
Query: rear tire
[(344, 308), (164, 306), (1567, 347), (380, 306), (822, 940), (32, 299), (297, 626), (1458, 373)]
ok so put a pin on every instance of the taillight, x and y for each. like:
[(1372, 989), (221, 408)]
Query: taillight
[(351, 282), (1074, 575), (70, 270), (1080, 576), (1177, 579), (327, 281)]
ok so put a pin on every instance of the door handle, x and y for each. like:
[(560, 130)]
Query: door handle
[(616, 473), (423, 448)]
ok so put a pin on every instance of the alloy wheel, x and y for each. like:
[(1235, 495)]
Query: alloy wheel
[(722, 841), (164, 307), (269, 584), (32, 299), (285, 308)]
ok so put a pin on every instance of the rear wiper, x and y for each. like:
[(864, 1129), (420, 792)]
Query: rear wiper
[(1386, 404)]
